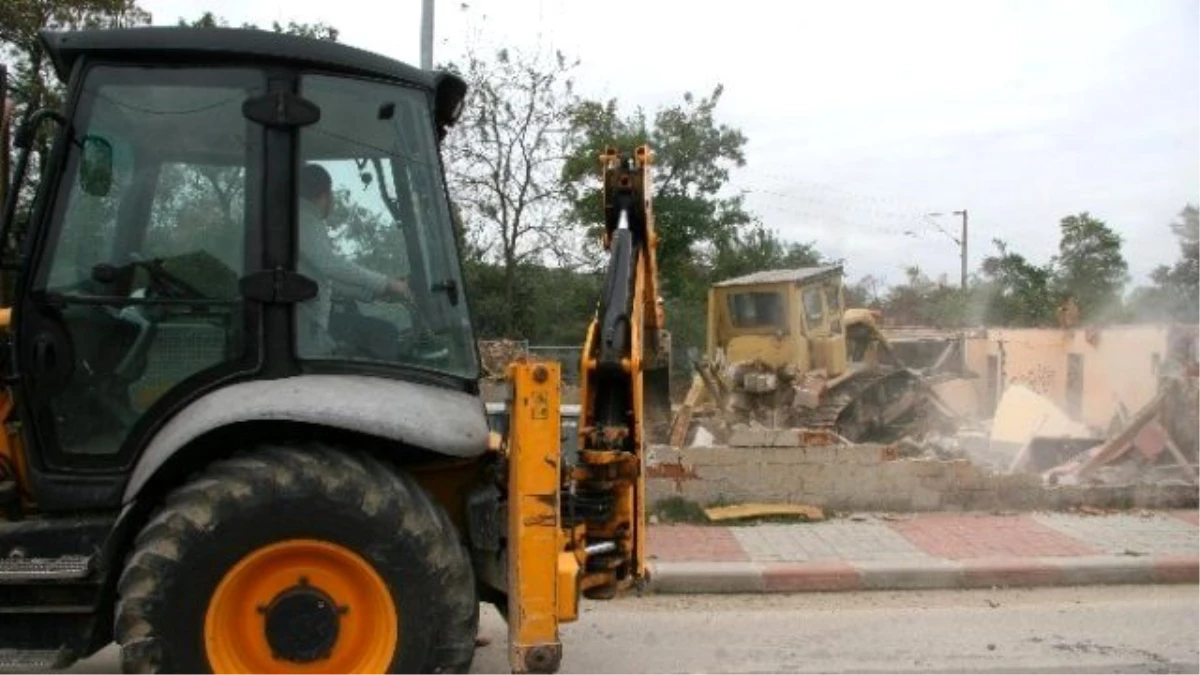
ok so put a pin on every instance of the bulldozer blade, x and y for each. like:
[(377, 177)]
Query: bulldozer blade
[(656, 397)]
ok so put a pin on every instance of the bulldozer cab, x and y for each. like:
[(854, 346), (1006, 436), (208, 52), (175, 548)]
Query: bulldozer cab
[(177, 243), (779, 318)]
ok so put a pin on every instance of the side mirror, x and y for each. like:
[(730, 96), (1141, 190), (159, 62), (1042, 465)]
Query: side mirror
[(450, 91), (96, 166)]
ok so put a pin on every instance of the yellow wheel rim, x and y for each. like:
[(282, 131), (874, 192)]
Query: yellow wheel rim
[(301, 606)]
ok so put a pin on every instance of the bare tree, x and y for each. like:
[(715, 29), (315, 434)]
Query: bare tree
[(505, 164)]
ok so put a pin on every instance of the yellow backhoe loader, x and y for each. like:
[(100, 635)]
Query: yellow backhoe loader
[(233, 444)]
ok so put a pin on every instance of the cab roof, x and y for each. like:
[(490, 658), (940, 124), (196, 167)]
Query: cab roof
[(783, 276), (164, 44)]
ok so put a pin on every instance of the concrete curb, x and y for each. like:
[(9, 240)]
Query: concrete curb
[(832, 576)]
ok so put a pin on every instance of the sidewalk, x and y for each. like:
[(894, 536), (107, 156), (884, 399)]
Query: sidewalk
[(927, 550)]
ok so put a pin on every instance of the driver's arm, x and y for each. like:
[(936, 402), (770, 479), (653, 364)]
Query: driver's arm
[(354, 292), (317, 249)]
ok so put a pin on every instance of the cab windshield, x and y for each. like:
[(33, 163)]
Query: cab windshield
[(166, 238), (380, 242), (757, 309)]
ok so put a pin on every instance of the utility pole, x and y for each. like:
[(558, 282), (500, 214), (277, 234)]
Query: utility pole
[(961, 241), (427, 34), (963, 246)]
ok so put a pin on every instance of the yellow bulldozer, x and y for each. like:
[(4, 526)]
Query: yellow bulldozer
[(783, 351), (233, 447)]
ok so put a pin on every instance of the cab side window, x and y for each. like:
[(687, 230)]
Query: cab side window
[(814, 312)]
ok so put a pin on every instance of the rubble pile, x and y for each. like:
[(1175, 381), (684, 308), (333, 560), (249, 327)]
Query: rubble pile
[(1157, 445), (495, 355), (1026, 434), (962, 445)]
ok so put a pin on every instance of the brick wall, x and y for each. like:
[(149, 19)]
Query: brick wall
[(869, 478)]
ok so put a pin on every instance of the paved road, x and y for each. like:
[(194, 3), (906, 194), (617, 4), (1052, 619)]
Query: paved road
[(1091, 629)]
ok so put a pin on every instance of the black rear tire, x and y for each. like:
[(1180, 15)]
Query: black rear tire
[(274, 494)]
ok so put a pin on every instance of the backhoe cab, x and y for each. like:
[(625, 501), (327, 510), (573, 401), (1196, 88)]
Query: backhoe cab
[(243, 424)]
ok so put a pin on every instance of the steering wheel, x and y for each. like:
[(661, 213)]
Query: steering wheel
[(419, 341), (161, 284), (168, 284)]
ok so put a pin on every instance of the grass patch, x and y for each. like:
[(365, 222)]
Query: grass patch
[(676, 509)]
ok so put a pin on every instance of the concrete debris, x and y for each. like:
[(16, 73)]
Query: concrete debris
[(703, 438), (1151, 440), (1149, 448), (760, 383), (960, 396), (1042, 453), (945, 447), (495, 355), (757, 436), (1023, 415), (745, 511), (1030, 441)]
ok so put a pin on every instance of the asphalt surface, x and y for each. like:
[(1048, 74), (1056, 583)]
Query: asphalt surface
[(1150, 629)]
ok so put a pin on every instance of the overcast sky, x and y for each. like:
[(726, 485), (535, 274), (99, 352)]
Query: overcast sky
[(863, 115)]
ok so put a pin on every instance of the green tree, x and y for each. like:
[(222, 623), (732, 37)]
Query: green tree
[(1176, 290), (699, 226), (1015, 292), (559, 302), (33, 83), (203, 203), (866, 292), (1090, 266), (922, 301), (504, 161), (693, 156), (319, 30), (758, 248)]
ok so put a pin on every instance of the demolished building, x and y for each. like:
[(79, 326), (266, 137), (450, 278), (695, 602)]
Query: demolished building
[(1041, 409)]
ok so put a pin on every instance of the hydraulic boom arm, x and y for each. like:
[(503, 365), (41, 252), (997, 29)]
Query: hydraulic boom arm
[(622, 342), (579, 526)]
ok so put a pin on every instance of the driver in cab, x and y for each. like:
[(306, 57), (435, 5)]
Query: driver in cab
[(320, 262)]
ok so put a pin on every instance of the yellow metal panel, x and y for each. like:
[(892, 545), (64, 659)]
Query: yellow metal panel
[(837, 355), (634, 508), (568, 584), (447, 482), (829, 352), (533, 518), (12, 449), (773, 350)]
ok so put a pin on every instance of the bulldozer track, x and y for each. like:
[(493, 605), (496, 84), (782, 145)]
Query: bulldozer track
[(831, 414)]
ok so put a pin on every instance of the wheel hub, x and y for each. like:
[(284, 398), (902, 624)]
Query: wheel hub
[(313, 606), (302, 624)]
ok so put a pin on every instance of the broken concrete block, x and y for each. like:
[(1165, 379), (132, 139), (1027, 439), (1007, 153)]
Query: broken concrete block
[(1151, 440), (703, 438), (960, 395), (806, 398), (760, 383), (762, 437)]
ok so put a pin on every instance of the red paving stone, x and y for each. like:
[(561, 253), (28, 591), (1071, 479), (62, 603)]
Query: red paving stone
[(1177, 569), (962, 537), (692, 543), (820, 576), (1191, 516)]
